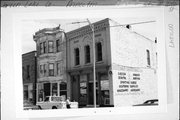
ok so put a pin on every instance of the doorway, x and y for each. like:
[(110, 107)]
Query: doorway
[(91, 93), (46, 89), (75, 88)]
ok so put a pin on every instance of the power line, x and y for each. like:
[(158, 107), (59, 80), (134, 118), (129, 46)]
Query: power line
[(130, 23)]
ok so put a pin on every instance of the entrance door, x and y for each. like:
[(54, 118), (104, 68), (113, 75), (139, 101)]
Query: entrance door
[(75, 88), (91, 94), (46, 89)]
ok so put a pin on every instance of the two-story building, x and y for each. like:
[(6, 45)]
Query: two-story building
[(125, 65), (51, 63), (29, 76)]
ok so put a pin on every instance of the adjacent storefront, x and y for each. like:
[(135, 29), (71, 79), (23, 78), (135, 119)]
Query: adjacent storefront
[(51, 89)]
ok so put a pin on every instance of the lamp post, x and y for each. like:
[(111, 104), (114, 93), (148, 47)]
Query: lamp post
[(94, 57)]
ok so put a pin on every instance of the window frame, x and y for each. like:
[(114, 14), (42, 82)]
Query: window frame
[(44, 47), (41, 48), (59, 68), (62, 90), (51, 71), (87, 54), (50, 47), (58, 49), (148, 57), (76, 57), (99, 55)]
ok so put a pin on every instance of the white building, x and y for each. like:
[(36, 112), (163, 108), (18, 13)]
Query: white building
[(125, 65)]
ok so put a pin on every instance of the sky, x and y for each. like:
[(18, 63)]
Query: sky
[(31, 26)]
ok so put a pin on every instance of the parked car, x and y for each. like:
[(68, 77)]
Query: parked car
[(29, 106), (149, 103), (52, 102)]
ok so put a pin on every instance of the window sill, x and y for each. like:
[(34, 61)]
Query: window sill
[(99, 62), (149, 66), (77, 66), (87, 64)]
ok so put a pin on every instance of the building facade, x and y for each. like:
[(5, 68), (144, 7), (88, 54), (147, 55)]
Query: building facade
[(29, 77), (51, 63), (125, 65), (80, 64)]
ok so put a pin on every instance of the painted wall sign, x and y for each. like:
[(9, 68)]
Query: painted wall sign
[(127, 82)]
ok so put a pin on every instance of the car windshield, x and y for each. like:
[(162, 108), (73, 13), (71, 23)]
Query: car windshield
[(151, 102), (56, 99), (46, 99)]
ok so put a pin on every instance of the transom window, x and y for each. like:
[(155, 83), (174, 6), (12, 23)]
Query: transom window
[(59, 68)]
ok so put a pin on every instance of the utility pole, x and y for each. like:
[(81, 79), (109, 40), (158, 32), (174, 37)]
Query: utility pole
[(94, 61)]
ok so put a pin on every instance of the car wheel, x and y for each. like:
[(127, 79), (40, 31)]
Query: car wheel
[(54, 107), (40, 107)]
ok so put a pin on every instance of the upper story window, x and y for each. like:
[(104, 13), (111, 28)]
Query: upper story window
[(43, 70), (76, 53), (43, 47), (51, 69), (99, 51), (59, 68), (50, 46), (148, 57), (58, 45), (28, 72), (87, 53), (23, 72)]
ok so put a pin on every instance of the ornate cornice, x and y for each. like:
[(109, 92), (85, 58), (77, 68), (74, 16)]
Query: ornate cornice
[(98, 26)]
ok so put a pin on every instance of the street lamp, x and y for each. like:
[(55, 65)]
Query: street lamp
[(94, 58)]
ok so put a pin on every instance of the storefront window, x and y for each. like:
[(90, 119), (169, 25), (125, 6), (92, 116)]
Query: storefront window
[(105, 92), (63, 89), (40, 93), (54, 89), (25, 92)]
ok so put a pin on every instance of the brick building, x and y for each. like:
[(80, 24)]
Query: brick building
[(51, 63), (125, 65), (29, 76)]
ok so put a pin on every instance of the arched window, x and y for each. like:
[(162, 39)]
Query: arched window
[(99, 51), (148, 57), (77, 57), (87, 54)]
